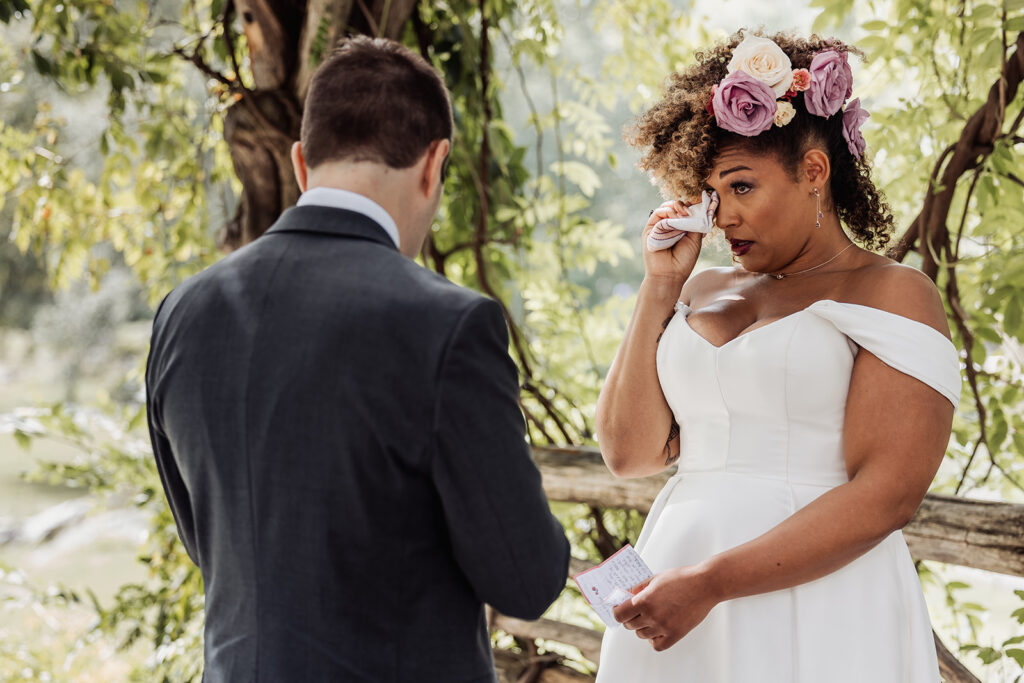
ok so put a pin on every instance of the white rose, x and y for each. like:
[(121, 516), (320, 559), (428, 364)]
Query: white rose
[(784, 114), (765, 61)]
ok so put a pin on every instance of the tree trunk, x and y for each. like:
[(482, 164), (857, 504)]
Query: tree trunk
[(286, 40), (260, 129)]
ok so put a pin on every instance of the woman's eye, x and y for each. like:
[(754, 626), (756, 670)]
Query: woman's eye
[(740, 188)]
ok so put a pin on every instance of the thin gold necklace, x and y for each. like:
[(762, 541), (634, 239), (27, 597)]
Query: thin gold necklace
[(779, 276)]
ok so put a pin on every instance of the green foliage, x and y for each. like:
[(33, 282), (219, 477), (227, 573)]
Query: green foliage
[(150, 187), (23, 285), (953, 53), (116, 463), (149, 190), (514, 221), (152, 204)]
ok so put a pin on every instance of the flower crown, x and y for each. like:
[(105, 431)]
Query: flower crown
[(761, 83)]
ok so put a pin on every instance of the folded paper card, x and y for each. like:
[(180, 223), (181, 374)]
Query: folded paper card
[(607, 585), (668, 231)]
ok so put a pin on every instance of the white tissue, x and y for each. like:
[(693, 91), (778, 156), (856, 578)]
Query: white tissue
[(668, 231)]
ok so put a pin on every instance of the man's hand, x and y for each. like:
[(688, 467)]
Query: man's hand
[(668, 606)]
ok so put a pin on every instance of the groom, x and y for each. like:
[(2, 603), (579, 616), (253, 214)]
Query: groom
[(337, 429)]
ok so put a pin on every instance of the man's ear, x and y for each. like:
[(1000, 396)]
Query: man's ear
[(299, 166), (436, 155)]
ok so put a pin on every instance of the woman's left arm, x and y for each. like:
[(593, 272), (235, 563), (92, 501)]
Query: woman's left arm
[(895, 434)]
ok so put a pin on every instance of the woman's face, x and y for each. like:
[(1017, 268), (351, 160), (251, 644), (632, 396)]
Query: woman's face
[(766, 215)]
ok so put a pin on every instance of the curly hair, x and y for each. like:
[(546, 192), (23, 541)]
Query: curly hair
[(681, 140)]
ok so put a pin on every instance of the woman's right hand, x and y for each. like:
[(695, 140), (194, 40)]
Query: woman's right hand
[(676, 262)]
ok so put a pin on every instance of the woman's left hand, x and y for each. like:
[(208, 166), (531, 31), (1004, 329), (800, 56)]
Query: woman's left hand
[(668, 606)]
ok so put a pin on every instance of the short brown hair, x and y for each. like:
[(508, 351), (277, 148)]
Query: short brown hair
[(680, 140), (374, 100)]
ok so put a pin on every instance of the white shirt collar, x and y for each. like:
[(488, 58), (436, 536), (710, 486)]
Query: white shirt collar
[(343, 199)]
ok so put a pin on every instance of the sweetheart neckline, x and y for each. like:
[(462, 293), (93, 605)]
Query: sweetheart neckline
[(686, 321), (849, 320), (819, 302)]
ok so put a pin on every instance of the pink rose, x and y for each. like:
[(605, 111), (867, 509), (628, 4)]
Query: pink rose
[(831, 83), (853, 117), (801, 79), (744, 104)]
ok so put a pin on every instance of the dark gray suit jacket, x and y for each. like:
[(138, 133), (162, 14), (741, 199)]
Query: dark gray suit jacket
[(339, 438)]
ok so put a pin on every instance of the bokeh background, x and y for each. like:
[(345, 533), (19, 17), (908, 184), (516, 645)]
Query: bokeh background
[(140, 141)]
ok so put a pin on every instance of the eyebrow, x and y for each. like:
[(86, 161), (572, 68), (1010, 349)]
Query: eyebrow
[(734, 168)]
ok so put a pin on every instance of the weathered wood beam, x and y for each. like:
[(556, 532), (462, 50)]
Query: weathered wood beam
[(587, 640), (970, 533), (973, 533), (511, 665), (952, 669), (579, 475)]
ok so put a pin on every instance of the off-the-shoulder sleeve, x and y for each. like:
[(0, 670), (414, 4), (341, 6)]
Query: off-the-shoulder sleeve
[(904, 344)]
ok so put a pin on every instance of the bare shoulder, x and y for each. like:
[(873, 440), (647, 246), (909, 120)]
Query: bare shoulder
[(707, 283), (900, 289)]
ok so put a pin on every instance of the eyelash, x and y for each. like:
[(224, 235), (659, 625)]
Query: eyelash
[(735, 185)]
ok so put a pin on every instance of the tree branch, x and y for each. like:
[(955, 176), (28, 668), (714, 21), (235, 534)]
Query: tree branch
[(229, 38), (963, 216), (206, 69), (976, 142), (368, 16)]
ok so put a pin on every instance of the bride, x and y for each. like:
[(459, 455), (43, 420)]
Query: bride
[(807, 394)]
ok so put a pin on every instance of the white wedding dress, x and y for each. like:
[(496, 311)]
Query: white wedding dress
[(761, 421)]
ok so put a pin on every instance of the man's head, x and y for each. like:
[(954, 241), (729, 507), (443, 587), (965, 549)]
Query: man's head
[(378, 121)]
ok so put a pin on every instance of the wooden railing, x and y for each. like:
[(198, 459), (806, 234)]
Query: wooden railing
[(971, 533)]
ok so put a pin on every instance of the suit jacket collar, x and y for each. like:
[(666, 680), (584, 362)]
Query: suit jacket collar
[(328, 220)]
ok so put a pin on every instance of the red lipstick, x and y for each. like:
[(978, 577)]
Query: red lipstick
[(741, 247)]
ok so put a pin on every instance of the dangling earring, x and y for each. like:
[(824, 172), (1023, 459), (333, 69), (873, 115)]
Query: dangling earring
[(817, 223)]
